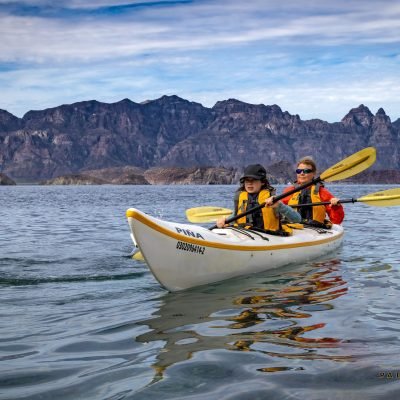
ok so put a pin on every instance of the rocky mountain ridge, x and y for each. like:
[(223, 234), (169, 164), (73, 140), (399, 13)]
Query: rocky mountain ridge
[(278, 173), (173, 132)]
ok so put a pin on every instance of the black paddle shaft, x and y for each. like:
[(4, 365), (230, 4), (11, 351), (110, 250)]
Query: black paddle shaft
[(276, 198), (322, 203)]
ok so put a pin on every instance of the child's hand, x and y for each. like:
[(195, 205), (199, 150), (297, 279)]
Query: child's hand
[(221, 222), (270, 202)]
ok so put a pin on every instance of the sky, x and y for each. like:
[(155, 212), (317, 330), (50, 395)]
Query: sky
[(314, 58)]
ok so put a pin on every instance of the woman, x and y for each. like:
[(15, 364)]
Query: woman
[(306, 170), (253, 191)]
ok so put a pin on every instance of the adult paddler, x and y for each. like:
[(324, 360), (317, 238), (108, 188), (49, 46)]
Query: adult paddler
[(314, 215)]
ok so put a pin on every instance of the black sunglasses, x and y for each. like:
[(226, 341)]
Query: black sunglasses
[(305, 170)]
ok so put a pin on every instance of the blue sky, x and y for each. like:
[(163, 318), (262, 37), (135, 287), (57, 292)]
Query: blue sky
[(315, 58)]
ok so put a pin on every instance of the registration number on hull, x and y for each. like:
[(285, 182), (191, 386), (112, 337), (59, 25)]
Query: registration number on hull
[(193, 248)]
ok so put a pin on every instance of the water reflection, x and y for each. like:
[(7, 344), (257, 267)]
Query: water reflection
[(281, 314)]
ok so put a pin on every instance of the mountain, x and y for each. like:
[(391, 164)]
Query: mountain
[(174, 132), (8, 122)]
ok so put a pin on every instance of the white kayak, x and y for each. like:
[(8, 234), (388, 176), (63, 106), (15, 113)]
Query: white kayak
[(182, 256)]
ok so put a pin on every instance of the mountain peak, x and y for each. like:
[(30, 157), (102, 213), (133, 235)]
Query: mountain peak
[(360, 110), (8, 121), (171, 99), (360, 115), (381, 118), (125, 101), (166, 101)]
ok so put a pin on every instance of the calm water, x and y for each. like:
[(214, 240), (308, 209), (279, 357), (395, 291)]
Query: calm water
[(81, 320)]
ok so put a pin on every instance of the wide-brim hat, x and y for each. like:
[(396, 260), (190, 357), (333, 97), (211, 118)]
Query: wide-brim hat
[(254, 171)]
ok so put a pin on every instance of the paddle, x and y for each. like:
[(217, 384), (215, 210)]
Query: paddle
[(350, 166), (384, 198), (138, 256), (206, 214)]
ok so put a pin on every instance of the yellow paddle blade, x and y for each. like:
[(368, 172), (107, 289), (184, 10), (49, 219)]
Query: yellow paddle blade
[(207, 214), (138, 256), (385, 198), (351, 165)]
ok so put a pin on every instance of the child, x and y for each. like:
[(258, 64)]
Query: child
[(255, 190)]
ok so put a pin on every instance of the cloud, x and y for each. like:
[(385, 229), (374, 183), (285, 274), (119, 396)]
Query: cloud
[(187, 27), (333, 53)]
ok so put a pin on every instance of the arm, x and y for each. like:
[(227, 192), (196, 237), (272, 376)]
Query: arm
[(221, 221), (288, 212), (335, 213)]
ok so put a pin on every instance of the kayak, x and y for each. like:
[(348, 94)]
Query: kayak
[(182, 256)]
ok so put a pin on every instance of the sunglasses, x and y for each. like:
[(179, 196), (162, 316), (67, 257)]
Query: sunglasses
[(305, 170)]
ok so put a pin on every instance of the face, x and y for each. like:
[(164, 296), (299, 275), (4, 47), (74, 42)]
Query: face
[(252, 185), (304, 177)]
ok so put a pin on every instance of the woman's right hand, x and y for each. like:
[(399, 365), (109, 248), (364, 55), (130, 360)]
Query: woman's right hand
[(334, 201), (221, 222)]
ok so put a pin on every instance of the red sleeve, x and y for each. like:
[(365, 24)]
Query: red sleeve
[(335, 213), (285, 200)]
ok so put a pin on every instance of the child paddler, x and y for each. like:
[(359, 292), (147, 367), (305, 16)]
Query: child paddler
[(255, 190)]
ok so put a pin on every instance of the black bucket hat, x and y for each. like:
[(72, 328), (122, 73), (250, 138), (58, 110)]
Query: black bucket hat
[(254, 171)]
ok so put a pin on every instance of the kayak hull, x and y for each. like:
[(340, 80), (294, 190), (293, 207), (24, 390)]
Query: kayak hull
[(182, 256)]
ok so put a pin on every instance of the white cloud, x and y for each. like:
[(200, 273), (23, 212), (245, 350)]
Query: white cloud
[(317, 59), (39, 39)]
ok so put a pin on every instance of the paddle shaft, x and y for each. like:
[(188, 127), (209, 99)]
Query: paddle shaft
[(323, 203), (276, 198)]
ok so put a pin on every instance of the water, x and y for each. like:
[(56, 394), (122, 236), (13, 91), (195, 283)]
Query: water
[(80, 319)]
